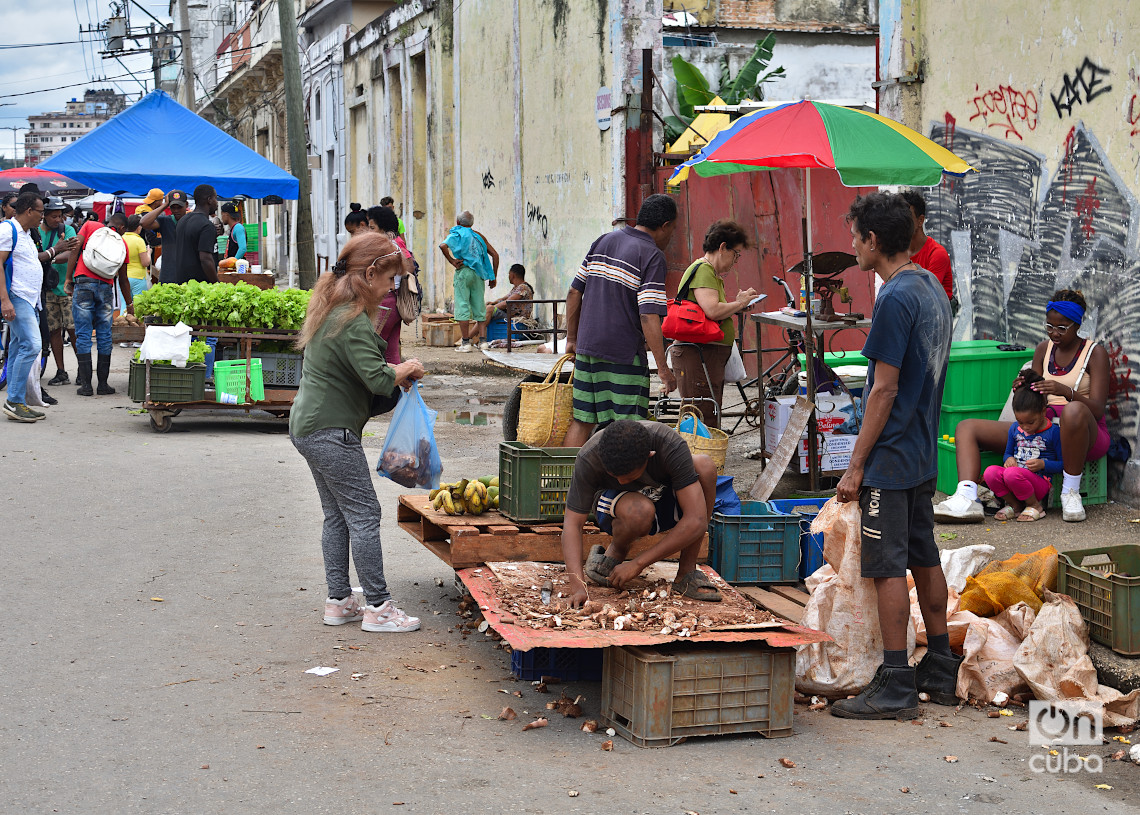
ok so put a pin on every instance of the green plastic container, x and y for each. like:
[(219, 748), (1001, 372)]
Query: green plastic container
[(759, 545), (948, 466), (1109, 601), (1094, 485), (167, 383), (837, 358), (949, 417), (534, 481), (229, 382), (980, 374)]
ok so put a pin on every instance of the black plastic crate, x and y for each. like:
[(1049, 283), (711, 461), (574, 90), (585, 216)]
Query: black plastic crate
[(568, 664)]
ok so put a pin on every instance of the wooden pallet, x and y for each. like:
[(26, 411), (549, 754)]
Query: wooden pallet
[(462, 541), (785, 601)]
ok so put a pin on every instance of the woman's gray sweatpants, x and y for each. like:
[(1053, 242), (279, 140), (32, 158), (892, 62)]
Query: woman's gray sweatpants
[(352, 512)]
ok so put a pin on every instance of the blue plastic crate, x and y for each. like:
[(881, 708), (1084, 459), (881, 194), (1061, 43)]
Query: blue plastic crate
[(497, 329), (757, 546), (568, 664), (811, 546)]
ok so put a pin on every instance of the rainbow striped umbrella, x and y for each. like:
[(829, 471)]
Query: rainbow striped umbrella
[(864, 148)]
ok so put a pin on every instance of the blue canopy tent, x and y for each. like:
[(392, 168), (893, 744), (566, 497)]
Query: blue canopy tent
[(156, 142)]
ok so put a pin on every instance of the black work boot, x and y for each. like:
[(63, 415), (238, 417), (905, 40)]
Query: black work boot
[(104, 370), (47, 398), (891, 695), (937, 675), (83, 377)]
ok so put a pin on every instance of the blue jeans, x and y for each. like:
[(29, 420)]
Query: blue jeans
[(24, 348), (91, 308)]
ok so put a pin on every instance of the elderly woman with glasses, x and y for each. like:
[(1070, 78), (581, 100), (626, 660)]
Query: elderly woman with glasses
[(703, 283), (1075, 380), (344, 368)]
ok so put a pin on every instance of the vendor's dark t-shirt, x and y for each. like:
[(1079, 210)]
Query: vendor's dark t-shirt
[(670, 466), (196, 233), (167, 229), (910, 329)]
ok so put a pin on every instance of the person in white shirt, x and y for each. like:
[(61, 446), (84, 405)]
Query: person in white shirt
[(20, 300)]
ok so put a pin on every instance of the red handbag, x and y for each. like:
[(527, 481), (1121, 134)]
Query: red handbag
[(685, 320)]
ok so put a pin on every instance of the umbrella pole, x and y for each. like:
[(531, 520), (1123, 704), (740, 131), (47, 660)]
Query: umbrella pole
[(809, 338)]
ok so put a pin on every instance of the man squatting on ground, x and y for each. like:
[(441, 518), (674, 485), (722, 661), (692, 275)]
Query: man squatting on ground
[(641, 479), (894, 465)]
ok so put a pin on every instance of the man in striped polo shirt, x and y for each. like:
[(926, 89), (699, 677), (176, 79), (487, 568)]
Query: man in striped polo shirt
[(613, 312)]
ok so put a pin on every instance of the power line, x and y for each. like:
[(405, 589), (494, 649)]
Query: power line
[(7, 46), (65, 87)]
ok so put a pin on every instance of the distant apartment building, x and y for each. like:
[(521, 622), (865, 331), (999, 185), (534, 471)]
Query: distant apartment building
[(48, 133)]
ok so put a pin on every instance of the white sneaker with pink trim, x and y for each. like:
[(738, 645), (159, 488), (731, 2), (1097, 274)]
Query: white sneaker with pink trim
[(388, 618), (339, 612)]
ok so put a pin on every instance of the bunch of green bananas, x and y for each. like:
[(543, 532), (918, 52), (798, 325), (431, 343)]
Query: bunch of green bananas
[(471, 496)]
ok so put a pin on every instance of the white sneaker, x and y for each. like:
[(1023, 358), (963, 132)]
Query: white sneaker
[(483, 346), (1072, 510), (459, 342), (388, 619), (124, 345), (339, 612), (464, 349), (958, 509)]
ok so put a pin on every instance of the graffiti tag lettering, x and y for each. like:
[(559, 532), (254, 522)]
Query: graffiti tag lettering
[(534, 216), (1134, 114), (1120, 384), (1006, 108), (1086, 206), (488, 180), (1085, 85)]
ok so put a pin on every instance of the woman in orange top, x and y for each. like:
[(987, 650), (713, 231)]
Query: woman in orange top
[(1075, 375)]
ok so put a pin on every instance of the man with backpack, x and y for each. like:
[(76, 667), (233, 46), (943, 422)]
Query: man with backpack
[(100, 258)]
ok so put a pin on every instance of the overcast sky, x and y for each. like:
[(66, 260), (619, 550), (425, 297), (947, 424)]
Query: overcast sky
[(23, 70)]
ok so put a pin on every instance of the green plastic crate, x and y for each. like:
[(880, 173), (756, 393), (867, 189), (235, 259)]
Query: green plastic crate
[(837, 358), (759, 545), (948, 466), (534, 481), (980, 374), (167, 383), (1107, 591), (277, 370), (949, 417), (229, 382), (1094, 484)]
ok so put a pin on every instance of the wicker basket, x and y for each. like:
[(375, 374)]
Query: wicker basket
[(547, 407), (715, 448)]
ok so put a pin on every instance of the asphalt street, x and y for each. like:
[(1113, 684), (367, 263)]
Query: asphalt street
[(163, 598)]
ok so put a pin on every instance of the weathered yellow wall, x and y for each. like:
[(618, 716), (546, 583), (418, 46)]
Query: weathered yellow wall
[(997, 68), (541, 192)]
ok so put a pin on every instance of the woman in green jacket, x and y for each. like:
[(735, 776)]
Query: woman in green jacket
[(344, 367)]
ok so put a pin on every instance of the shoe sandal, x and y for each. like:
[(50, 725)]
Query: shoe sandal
[(1005, 514), (598, 566), (1031, 514), (697, 586)]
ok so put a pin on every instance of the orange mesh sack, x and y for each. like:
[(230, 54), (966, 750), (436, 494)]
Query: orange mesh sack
[(1020, 579)]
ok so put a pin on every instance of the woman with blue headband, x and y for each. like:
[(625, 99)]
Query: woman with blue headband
[(1075, 379)]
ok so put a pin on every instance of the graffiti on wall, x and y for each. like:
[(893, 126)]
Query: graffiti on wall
[(1082, 86), (1016, 234), (534, 216), (1005, 109), (488, 180)]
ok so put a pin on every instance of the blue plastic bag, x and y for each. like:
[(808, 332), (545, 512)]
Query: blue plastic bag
[(410, 456), (727, 501), (687, 424)]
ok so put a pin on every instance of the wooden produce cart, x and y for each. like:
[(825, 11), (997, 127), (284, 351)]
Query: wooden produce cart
[(277, 400)]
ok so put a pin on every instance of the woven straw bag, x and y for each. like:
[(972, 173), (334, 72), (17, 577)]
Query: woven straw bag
[(547, 407), (715, 448)]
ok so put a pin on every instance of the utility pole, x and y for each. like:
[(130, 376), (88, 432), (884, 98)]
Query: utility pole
[(187, 54), (155, 56), (298, 151)]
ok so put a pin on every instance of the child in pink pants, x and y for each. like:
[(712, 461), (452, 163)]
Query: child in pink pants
[(1032, 455)]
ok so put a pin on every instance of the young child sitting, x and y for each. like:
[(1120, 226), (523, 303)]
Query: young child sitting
[(1032, 455)]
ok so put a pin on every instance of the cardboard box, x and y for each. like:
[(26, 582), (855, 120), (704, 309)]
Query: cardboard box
[(441, 334), (828, 412), (833, 452)]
